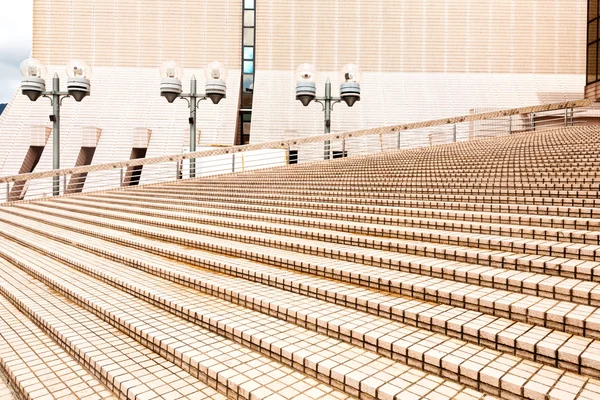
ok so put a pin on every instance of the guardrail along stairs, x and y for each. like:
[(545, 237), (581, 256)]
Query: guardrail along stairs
[(462, 271)]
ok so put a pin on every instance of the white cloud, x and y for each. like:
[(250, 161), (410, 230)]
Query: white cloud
[(16, 17)]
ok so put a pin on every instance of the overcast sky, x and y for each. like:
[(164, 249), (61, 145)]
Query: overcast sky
[(15, 43)]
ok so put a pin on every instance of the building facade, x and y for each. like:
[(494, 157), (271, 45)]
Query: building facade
[(421, 60)]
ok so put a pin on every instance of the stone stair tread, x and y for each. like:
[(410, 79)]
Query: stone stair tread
[(340, 206), (103, 348), (562, 315), (38, 366), (254, 296), (377, 330), (265, 332)]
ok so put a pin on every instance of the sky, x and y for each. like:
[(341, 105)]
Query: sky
[(15, 43)]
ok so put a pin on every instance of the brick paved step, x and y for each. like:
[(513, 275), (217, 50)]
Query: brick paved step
[(397, 181), (554, 314), (556, 266), (570, 199), (565, 190), (390, 227), (36, 366), (420, 348), (442, 354), (410, 240), (221, 363), (395, 216), (124, 366), (333, 361), (6, 392), (554, 287), (540, 264), (569, 352), (401, 208)]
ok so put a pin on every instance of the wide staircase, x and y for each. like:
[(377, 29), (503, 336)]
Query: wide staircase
[(463, 271)]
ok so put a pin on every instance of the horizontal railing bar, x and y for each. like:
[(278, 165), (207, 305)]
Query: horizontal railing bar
[(296, 142)]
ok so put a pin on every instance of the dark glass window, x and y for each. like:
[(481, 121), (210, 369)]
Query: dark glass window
[(248, 36), (248, 67), (593, 31), (246, 100), (246, 118), (592, 39), (248, 59), (249, 18), (592, 63), (248, 82)]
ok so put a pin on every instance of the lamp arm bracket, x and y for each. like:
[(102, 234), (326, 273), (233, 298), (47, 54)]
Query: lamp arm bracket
[(62, 98), (48, 97), (200, 98), (321, 102), (334, 101)]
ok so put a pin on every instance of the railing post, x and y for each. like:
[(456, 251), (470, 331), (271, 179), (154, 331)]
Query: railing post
[(64, 184), (343, 147), (510, 124), (7, 191), (177, 170), (232, 162), (566, 116), (398, 140), (287, 155), (454, 134), (533, 121), (572, 115), (121, 179)]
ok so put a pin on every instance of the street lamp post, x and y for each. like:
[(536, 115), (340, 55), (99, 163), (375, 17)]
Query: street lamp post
[(171, 88), (306, 77), (33, 85)]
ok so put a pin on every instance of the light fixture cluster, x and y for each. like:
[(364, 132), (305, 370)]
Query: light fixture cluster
[(171, 73), (306, 78), (33, 79)]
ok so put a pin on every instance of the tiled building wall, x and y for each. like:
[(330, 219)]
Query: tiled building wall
[(422, 59)]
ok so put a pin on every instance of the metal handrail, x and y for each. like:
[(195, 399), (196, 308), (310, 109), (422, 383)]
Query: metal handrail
[(294, 142)]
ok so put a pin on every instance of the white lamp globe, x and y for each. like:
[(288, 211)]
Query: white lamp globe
[(171, 70), (215, 71), (33, 68), (216, 87), (350, 73), (79, 69), (33, 75), (306, 73)]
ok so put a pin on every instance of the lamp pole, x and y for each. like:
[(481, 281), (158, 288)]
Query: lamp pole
[(33, 85), (193, 104), (170, 88), (327, 102), (56, 97), (306, 76)]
